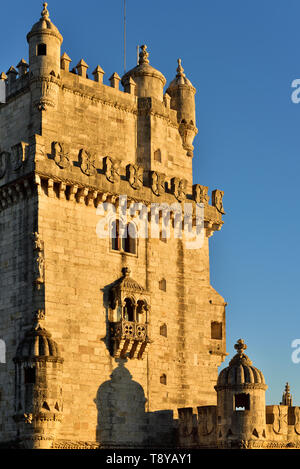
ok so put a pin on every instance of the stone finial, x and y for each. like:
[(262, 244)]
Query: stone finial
[(45, 12), (65, 62), (167, 100), (286, 396), (82, 68), (22, 67), (129, 86), (3, 77), (115, 80), (180, 69), (126, 272), (144, 55), (240, 346), (98, 74), (12, 74)]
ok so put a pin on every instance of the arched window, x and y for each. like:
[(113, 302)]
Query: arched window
[(42, 49), (128, 311), (141, 311), (123, 239)]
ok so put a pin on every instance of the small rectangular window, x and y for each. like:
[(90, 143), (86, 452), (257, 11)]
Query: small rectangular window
[(42, 49), (29, 375), (242, 402), (216, 330)]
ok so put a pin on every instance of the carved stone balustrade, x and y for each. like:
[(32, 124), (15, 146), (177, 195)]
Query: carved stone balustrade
[(130, 339)]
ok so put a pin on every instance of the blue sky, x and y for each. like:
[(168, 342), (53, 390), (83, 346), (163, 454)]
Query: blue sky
[(242, 57)]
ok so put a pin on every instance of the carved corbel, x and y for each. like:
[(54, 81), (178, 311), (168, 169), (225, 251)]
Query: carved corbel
[(81, 195)]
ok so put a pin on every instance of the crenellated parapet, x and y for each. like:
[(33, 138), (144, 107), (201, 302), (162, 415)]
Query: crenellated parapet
[(57, 171)]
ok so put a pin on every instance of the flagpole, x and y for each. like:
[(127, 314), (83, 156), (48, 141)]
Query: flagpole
[(124, 36)]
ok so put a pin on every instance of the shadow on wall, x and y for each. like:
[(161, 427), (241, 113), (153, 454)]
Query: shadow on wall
[(122, 420)]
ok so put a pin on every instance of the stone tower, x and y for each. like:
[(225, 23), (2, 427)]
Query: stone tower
[(110, 325), (241, 401)]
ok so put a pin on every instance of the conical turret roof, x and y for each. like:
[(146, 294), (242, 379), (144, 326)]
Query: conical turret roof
[(143, 69), (44, 25)]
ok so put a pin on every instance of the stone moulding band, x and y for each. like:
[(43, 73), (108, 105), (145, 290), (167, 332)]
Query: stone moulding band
[(242, 387), (42, 185)]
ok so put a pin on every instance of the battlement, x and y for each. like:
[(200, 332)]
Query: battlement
[(97, 179)]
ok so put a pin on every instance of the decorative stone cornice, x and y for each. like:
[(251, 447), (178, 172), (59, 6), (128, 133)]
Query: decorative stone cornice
[(42, 184)]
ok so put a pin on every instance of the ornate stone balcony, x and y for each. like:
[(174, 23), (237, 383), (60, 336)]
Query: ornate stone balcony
[(130, 339)]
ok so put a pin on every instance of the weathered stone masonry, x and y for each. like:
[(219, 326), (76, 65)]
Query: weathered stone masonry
[(104, 342)]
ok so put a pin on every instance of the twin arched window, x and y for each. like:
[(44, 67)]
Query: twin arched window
[(134, 312), (123, 238)]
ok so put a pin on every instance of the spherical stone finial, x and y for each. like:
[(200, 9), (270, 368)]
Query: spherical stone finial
[(240, 346), (45, 12), (144, 55)]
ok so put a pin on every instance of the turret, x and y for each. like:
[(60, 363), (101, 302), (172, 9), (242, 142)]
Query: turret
[(38, 389), (241, 402), (149, 81), (182, 95), (44, 41), (287, 397)]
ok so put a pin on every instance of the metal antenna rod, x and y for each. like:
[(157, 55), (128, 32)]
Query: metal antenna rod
[(124, 36)]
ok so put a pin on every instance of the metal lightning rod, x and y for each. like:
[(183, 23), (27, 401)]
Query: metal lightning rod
[(124, 37)]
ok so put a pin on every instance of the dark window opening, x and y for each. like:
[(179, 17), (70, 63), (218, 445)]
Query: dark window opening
[(163, 284), (129, 310), (129, 241), (115, 235), (242, 402), (42, 49), (216, 330), (163, 379), (123, 239), (157, 155), (141, 311), (163, 330), (29, 375)]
